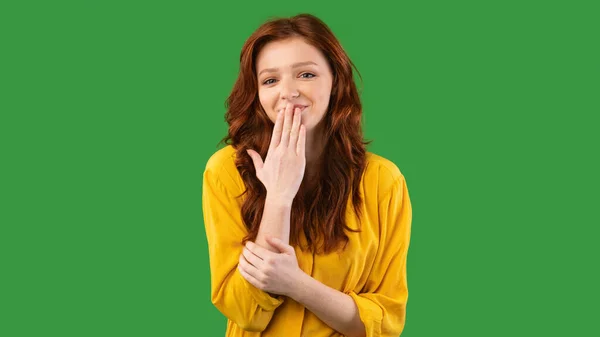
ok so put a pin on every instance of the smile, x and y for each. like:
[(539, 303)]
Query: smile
[(302, 107)]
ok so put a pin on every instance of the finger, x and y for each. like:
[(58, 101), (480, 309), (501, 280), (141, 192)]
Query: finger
[(287, 125), (280, 245), (252, 259), (276, 137), (256, 159), (248, 267), (295, 128), (301, 146), (251, 279), (257, 250)]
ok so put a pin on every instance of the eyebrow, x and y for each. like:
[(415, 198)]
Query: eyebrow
[(295, 65)]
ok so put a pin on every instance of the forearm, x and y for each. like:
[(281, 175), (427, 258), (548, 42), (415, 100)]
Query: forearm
[(275, 222), (333, 307), (248, 307)]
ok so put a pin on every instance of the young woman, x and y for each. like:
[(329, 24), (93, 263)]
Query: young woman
[(308, 232)]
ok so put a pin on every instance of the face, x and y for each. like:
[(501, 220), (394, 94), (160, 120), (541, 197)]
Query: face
[(293, 71)]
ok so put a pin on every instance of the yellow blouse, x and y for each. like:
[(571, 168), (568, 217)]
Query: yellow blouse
[(372, 268)]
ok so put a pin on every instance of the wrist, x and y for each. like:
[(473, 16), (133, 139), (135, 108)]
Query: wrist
[(278, 201), (300, 286)]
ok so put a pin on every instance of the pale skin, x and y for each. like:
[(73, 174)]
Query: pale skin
[(279, 273), (270, 263), (294, 72)]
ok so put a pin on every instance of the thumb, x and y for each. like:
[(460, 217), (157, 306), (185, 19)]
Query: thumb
[(256, 159), (280, 245)]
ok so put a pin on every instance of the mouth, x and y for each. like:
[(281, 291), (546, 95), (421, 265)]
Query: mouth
[(302, 108)]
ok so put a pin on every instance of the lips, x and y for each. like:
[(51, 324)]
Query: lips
[(302, 107)]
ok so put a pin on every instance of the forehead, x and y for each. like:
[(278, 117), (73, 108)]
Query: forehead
[(284, 53)]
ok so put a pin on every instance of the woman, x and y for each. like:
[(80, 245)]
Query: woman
[(313, 240)]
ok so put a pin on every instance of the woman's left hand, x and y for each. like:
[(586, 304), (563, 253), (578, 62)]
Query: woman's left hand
[(276, 273)]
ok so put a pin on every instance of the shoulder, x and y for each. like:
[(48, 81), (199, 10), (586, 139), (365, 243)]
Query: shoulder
[(221, 167), (383, 173), (221, 158)]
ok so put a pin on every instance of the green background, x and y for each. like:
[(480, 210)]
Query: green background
[(110, 110)]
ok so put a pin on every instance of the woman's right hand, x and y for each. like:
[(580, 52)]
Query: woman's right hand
[(283, 169)]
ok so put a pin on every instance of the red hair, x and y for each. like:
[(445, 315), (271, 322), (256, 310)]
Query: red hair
[(321, 213)]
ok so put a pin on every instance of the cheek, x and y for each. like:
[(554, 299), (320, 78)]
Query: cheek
[(267, 104), (322, 94), (323, 99)]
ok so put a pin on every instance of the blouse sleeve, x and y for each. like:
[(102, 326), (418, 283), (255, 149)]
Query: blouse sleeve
[(382, 301), (249, 307)]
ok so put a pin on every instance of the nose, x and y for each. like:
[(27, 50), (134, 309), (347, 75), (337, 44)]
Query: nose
[(288, 89)]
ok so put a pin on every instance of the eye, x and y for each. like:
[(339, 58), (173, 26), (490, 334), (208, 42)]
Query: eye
[(267, 81), (312, 75)]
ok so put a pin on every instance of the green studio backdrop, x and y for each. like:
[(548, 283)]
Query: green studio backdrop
[(110, 110)]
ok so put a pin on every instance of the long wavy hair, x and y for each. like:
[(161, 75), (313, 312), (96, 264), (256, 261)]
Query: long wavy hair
[(319, 213)]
